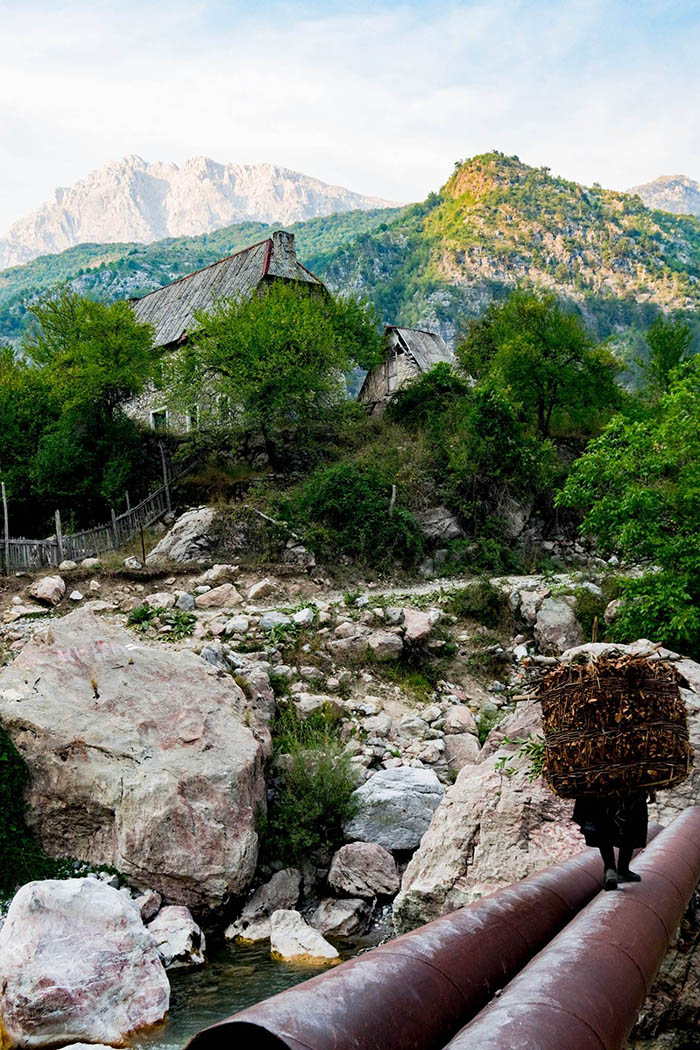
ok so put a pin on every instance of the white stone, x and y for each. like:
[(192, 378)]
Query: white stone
[(91, 563), (49, 589), (556, 627), (76, 963), (385, 645), (160, 600), (132, 563), (459, 719), (67, 565), (261, 589), (179, 940), (460, 750), (237, 625), (76, 596), (187, 540), (293, 939), (279, 893), (304, 617)]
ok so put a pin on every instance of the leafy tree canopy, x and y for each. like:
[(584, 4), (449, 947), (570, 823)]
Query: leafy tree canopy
[(668, 340), (639, 487), (94, 353), (278, 358), (542, 354)]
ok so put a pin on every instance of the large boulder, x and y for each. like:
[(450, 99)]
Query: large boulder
[(438, 524), (138, 757), (292, 938), (179, 940), (188, 540), (77, 964), (395, 807), (490, 830), (280, 893), (364, 869), (556, 627)]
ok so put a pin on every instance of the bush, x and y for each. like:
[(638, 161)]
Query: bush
[(22, 858), (346, 509), (481, 601), (425, 399), (314, 796)]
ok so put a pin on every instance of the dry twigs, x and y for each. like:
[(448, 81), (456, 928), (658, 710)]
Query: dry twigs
[(613, 725)]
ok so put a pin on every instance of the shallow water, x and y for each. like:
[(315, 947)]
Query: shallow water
[(234, 978)]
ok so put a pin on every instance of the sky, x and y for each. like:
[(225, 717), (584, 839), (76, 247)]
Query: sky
[(380, 97)]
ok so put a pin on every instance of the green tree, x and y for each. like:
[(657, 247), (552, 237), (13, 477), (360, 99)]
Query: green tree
[(668, 340), (541, 353), (94, 354), (639, 488), (26, 409), (279, 358)]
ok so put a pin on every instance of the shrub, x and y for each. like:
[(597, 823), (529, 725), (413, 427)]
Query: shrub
[(347, 509), (425, 399), (314, 796), (481, 601), (22, 858)]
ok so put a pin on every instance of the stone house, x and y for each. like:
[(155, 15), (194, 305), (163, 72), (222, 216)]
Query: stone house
[(171, 309), (409, 353)]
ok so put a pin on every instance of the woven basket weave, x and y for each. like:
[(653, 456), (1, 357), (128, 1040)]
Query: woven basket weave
[(615, 725)]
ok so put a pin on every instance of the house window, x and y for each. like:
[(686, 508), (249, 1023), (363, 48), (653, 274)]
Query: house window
[(159, 419)]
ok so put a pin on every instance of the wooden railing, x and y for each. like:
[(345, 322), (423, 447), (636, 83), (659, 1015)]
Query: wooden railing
[(21, 554)]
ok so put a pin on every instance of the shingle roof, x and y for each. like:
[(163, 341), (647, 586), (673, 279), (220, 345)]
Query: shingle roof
[(426, 348), (171, 309)]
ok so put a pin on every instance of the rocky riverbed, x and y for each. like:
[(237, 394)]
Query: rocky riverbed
[(146, 703)]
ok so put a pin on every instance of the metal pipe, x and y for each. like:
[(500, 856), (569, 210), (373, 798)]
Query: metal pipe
[(585, 990), (418, 990)]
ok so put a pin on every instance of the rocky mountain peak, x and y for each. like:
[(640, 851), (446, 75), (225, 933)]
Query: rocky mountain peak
[(675, 193), (132, 199)]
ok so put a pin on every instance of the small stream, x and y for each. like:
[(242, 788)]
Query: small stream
[(235, 977)]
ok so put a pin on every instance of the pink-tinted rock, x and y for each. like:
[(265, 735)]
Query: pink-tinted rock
[(225, 596), (460, 750), (76, 963), (364, 869), (139, 756), (179, 940), (49, 590)]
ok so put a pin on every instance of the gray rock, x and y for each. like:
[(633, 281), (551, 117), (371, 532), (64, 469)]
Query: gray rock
[(237, 625), (556, 627), (270, 620), (341, 918), (67, 565), (132, 563), (148, 904), (460, 750), (393, 615), (304, 617), (364, 869), (280, 892), (395, 807), (184, 601), (262, 589), (438, 524), (385, 645), (188, 540), (49, 590), (225, 596), (459, 719)]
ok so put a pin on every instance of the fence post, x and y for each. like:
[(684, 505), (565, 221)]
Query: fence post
[(165, 478), (7, 530), (59, 538), (115, 533)]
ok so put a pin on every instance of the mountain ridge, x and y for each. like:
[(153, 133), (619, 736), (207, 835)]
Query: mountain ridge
[(677, 194), (495, 223), (136, 200)]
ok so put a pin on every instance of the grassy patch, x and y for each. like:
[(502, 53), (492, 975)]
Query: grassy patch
[(481, 601), (181, 623)]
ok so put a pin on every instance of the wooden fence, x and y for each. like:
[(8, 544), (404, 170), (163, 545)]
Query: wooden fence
[(21, 554)]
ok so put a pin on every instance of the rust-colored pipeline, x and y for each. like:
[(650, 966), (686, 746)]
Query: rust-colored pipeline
[(415, 992), (585, 989)]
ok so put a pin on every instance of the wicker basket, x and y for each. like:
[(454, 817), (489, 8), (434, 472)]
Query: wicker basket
[(612, 726)]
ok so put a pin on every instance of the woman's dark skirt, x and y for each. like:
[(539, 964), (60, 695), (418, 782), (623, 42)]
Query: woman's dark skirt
[(615, 820)]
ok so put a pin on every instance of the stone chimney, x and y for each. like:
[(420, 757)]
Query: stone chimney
[(283, 250)]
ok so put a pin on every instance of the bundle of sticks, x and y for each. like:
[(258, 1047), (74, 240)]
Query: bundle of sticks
[(613, 725)]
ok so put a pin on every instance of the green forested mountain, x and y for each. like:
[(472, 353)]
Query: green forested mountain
[(496, 222)]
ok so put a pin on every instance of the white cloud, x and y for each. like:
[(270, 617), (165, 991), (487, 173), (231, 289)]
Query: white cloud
[(383, 100)]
